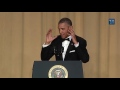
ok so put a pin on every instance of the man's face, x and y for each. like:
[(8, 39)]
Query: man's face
[(63, 29)]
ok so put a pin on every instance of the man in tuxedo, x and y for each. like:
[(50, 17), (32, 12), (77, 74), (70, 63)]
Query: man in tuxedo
[(67, 46)]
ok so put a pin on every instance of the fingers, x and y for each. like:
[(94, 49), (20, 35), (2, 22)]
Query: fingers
[(49, 32), (71, 32)]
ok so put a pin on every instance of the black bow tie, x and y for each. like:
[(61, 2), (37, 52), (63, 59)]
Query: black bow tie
[(66, 39)]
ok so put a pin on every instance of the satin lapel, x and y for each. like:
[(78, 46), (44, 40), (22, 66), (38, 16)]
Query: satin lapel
[(69, 48)]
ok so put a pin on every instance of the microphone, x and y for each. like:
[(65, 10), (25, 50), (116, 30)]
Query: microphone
[(58, 51)]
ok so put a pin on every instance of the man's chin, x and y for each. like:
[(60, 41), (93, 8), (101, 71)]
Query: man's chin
[(62, 37)]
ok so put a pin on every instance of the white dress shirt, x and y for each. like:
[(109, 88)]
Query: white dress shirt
[(65, 44)]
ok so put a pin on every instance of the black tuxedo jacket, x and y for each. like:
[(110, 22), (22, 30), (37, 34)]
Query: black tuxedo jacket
[(72, 54)]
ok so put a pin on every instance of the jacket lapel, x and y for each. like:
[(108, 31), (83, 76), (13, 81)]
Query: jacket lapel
[(69, 48), (59, 48)]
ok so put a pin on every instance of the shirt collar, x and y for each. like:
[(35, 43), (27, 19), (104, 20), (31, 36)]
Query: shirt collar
[(69, 38)]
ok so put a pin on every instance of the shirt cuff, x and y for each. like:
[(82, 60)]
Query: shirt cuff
[(45, 45), (76, 45)]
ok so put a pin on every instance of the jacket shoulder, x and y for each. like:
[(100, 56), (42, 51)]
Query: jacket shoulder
[(56, 40), (80, 38)]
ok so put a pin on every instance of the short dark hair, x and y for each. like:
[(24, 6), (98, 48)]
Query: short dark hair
[(65, 20)]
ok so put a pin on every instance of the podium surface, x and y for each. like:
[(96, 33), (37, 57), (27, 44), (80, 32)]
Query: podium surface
[(43, 69)]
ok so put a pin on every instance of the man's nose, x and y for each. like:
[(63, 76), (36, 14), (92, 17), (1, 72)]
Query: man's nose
[(61, 31)]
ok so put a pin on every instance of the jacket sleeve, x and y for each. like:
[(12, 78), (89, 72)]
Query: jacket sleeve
[(82, 51), (47, 53)]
